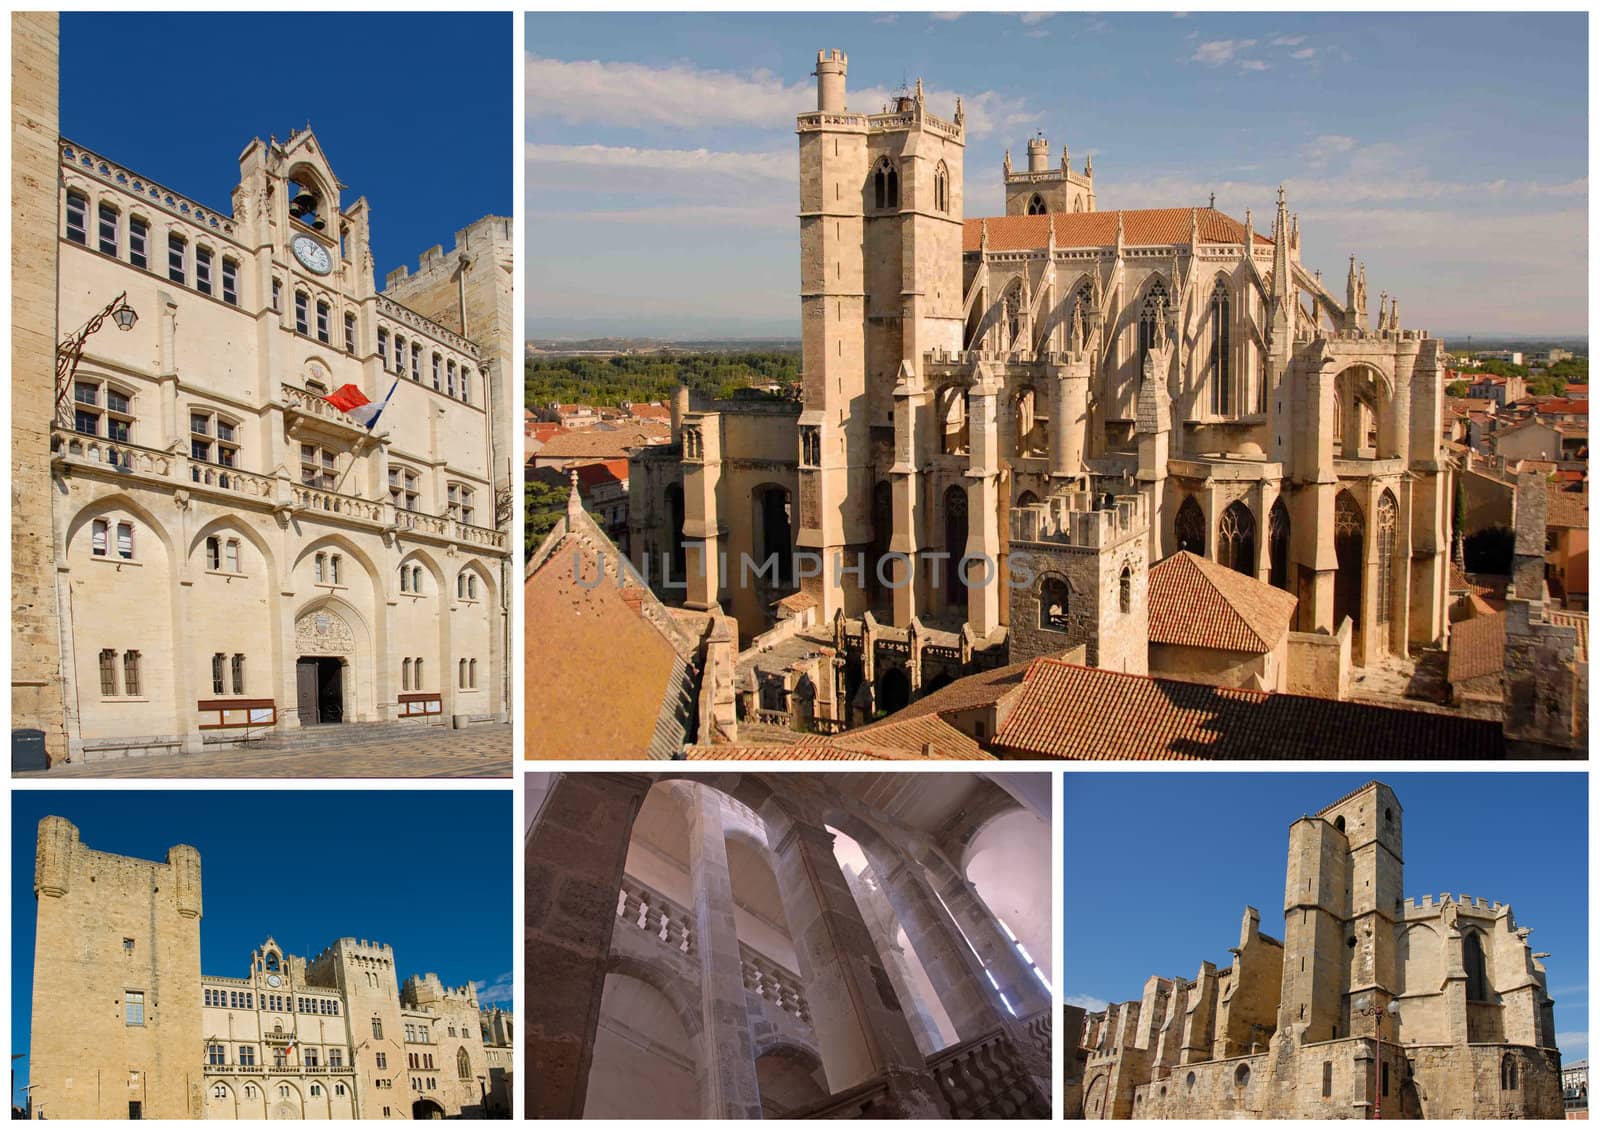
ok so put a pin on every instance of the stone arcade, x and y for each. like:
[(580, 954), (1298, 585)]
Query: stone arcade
[(1287, 1030), (1090, 390), (125, 1025), (788, 945)]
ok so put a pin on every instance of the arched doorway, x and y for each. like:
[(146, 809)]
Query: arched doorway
[(328, 645), (955, 544), (1236, 538), (790, 1079), (1278, 545), (772, 531), (894, 690), (426, 1109), (1349, 534), (1189, 528), (676, 567)]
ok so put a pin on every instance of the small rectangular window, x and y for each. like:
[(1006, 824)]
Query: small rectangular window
[(130, 673), (109, 223), (213, 553), (350, 332), (383, 348), (277, 294), (125, 540), (78, 218), (238, 673), (99, 535), (324, 333), (177, 250), (133, 1007), (217, 659), (138, 242), (202, 270), (230, 282), (302, 312), (231, 556), (108, 672), (416, 364)]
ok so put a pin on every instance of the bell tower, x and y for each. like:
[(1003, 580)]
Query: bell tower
[(880, 287)]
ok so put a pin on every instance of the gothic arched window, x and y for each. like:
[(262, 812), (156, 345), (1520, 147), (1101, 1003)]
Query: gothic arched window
[(1278, 545), (1125, 590), (1477, 966), (1221, 364), (1013, 315), (463, 1064), (1036, 206), (941, 188), (1236, 538), (1386, 543), (1155, 304), (885, 185), (1189, 529), (1508, 1073)]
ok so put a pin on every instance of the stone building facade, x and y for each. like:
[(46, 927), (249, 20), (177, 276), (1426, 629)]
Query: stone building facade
[(786, 946), (1370, 1003), (337, 1036), (231, 554), (958, 372)]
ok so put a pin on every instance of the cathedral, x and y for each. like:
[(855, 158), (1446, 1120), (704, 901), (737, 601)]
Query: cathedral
[(1371, 1005), (1006, 421)]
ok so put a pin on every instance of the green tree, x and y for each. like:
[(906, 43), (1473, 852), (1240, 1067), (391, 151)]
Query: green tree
[(1456, 389), (544, 506)]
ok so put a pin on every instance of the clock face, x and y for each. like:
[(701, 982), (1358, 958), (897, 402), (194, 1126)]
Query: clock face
[(274, 981), (312, 254)]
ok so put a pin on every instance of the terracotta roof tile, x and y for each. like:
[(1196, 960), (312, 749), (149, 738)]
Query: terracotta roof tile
[(923, 736), (1569, 509), (1477, 647), (595, 443), (1067, 711), (1140, 227), (1574, 620), (1199, 603)]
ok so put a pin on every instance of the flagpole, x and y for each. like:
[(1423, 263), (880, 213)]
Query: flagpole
[(370, 427)]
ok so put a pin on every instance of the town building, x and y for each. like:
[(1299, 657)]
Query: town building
[(1084, 390), (1575, 1088), (802, 946), (1370, 1005), (335, 1036), (213, 552)]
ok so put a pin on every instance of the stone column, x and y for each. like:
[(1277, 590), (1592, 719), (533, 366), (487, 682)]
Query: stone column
[(983, 534), (727, 1076), (860, 1029), (575, 852), (879, 917), (904, 480), (1017, 980)]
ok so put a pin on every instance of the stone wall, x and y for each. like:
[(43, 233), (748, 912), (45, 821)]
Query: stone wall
[(36, 691), (1319, 663)]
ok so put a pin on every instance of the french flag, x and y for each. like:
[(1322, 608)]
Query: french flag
[(354, 403)]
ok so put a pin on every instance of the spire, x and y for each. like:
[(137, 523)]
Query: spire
[(1394, 313), (1350, 287), (1249, 234), (1077, 327), (1119, 233), (1088, 166), (1066, 162), (1194, 231), (1282, 280), (574, 500), (1050, 227), (1008, 161), (983, 240), (960, 115), (1213, 204)]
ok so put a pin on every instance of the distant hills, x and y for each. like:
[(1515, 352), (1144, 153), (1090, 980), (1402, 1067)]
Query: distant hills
[(568, 347)]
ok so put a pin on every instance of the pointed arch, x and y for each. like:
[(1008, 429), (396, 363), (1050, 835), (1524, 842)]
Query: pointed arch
[(1278, 545), (1349, 542), (1036, 205), (1387, 536), (1189, 528), (885, 185), (1236, 538), (941, 187), (345, 545), (419, 556), (119, 501), (232, 525), (1219, 365)]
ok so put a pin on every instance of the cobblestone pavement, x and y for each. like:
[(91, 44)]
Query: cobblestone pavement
[(476, 752)]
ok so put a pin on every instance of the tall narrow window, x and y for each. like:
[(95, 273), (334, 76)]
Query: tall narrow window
[(941, 188), (230, 555), (133, 1007), (138, 242), (399, 354), (108, 672), (334, 563), (302, 312), (277, 294), (319, 566), (466, 385), (405, 671), (1155, 305), (238, 673), (110, 222), (461, 680), (437, 362), (350, 332), (383, 348), (416, 363), (130, 672), (230, 281), (213, 553), (1387, 517), (125, 541), (472, 673), (1125, 590), (324, 330), (416, 673), (217, 662), (1221, 354), (99, 532), (177, 259), (202, 269), (1236, 538), (78, 218)]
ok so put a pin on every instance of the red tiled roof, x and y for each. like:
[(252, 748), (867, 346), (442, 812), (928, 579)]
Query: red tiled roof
[(1067, 711), (595, 443), (1199, 603), (1477, 647), (1140, 227), (1567, 509), (1564, 406)]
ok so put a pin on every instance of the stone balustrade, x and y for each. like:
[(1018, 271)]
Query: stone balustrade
[(114, 453), (302, 1070), (985, 1078), (316, 499), (1039, 1028), (648, 910), (770, 981)]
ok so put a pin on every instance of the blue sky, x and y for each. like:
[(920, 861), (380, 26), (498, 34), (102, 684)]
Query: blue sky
[(429, 873), (1450, 151), (414, 110), (1152, 887)]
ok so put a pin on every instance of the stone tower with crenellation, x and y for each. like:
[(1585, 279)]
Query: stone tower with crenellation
[(880, 271), (364, 972), (118, 950), (1041, 188)]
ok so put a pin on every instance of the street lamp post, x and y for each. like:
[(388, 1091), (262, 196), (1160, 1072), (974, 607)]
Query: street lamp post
[(70, 351), (1377, 1013)]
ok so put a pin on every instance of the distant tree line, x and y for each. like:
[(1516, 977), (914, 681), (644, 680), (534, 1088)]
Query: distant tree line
[(609, 381)]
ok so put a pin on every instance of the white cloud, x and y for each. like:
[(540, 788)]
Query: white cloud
[(1574, 1046), (632, 94), (1035, 17), (499, 990), (1216, 52), (1252, 65), (1084, 1001), (947, 17), (1287, 41), (749, 166), (1303, 53)]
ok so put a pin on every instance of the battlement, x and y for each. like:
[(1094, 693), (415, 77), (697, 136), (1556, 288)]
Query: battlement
[(420, 991), (1426, 904), (1075, 519), (347, 948), (482, 235)]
